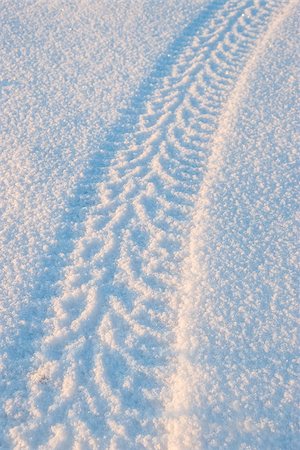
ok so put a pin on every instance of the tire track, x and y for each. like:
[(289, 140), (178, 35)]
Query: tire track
[(101, 375)]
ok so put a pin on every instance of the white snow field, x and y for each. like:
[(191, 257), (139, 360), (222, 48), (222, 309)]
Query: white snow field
[(148, 230)]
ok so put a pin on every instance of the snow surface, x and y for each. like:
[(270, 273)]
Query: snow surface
[(148, 235)]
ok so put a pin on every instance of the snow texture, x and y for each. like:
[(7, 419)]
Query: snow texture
[(148, 234)]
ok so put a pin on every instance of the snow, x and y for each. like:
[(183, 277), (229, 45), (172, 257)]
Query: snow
[(237, 340), (148, 237)]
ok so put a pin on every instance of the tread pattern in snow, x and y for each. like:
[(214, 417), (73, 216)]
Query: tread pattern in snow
[(101, 372)]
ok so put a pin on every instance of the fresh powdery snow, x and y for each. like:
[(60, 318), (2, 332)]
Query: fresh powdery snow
[(148, 228)]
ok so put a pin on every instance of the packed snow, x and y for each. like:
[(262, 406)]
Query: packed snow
[(148, 237)]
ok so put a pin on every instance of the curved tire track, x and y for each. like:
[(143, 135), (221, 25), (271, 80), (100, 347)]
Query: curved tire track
[(101, 375)]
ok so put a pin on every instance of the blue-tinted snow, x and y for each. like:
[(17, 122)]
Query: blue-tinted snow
[(148, 224)]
